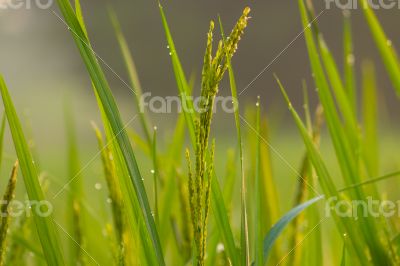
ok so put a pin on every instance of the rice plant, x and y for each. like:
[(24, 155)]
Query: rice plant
[(187, 212), (200, 181)]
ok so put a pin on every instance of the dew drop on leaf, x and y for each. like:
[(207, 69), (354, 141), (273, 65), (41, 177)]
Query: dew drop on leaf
[(97, 186)]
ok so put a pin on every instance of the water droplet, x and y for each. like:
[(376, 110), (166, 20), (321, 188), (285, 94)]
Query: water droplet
[(152, 214), (97, 186), (351, 59), (152, 171), (389, 43), (220, 247), (155, 127), (142, 179), (170, 53), (109, 200), (309, 25), (257, 104), (345, 234), (167, 46)]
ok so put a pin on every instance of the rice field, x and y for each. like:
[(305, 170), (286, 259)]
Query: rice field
[(199, 197)]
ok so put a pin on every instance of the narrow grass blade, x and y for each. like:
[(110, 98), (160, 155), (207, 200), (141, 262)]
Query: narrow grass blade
[(174, 155), (26, 245), (44, 225), (258, 198), (371, 181), (277, 229), (2, 129), (270, 212), (384, 45), (133, 76), (302, 193), (228, 192), (79, 16), (5, 217), (341, 143), (230, 177), (343, 261), (183, 87), (370, 119), (17, 251), (342, 98), (138, 142), (244, 228), (131, 218), (135, 184), (114, 193), (186, 238), (221, 218), (155, 173), (306, 107), (75, 216), (349, 60)]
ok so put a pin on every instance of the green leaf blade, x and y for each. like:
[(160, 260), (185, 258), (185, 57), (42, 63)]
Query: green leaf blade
[(388, 54), (113, 115), (44, 225), (277, 229)]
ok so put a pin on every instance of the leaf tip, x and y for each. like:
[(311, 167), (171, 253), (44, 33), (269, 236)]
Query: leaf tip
[(282, 90)]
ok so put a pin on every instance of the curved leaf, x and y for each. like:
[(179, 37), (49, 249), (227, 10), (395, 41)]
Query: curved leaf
[(44, 225), (277, 229)]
